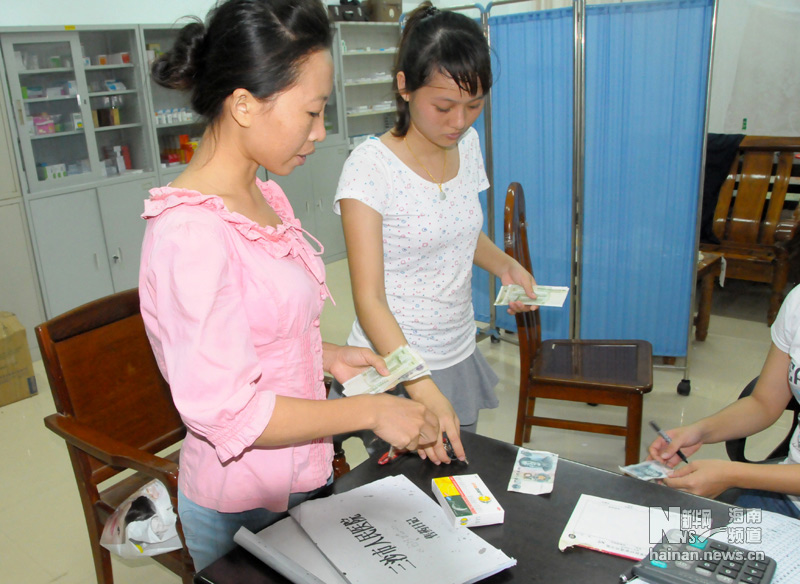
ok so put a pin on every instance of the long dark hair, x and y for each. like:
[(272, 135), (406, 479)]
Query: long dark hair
[(438, 41), (257, 45)]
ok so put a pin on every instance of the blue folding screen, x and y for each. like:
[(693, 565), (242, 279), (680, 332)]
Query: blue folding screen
[(646, 79), (532, 143)]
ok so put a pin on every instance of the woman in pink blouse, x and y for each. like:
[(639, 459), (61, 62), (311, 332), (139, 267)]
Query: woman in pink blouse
[(231, 291)]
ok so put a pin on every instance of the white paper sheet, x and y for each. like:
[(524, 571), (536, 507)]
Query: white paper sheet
[(779, 536), (389, 531), (612, 527), (286, 548)]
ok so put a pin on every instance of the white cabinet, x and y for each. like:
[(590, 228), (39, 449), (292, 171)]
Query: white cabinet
[(19, 287), (311, 189), (121, 207), (68, 235), (172, 116), (88, 242), (366, 60), (78, 105), (74, 95)]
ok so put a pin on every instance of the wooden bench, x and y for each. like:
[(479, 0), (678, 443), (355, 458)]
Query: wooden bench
[(758, 236)]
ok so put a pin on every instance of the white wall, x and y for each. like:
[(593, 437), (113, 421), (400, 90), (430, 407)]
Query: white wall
[(732, 18), (59, 12)]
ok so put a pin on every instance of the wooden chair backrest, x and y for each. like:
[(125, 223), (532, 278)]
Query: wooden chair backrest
[(515, 237), (102, 373), (751, 199)]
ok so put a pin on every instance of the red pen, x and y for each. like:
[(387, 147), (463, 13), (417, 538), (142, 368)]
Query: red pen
[(389, 456)]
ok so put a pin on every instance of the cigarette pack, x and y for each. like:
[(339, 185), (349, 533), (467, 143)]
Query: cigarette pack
[(467, 501)]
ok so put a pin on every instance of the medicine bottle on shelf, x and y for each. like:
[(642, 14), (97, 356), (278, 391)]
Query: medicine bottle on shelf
[(115, 120)]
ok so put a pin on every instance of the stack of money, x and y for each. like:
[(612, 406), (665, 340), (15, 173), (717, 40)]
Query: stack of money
[(534, 472), (649, 470), (404, 364), (545, 295)]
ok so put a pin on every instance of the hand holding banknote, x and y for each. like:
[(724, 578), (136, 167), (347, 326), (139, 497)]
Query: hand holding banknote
[(404, 364), (520, 278), (649, 470), (545, 295)]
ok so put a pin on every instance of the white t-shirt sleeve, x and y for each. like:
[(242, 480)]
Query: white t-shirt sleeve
[(786, 325), (475, 160), (365, 178)]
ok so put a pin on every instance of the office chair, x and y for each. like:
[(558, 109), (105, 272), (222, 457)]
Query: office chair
[(735, 448), (610, 372)]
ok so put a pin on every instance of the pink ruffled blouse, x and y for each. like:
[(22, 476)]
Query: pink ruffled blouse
[(232, 312)]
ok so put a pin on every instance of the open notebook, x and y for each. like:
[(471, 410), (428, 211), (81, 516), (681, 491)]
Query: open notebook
[(388, 531)]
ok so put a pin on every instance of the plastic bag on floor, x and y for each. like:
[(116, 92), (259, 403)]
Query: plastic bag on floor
[(144, 525)]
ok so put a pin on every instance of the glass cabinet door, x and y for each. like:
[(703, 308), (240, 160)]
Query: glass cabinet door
[(178, 128), (48, 95), (121, 126)]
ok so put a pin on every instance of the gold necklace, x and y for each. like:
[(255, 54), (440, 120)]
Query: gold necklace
[(442, 195)]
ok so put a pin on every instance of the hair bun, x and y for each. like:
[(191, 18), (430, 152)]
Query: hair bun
[(179, 68)]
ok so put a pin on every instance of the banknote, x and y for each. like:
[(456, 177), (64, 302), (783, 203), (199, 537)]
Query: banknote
[(649, 470), (545, 295), (404, 364), (534, 472)]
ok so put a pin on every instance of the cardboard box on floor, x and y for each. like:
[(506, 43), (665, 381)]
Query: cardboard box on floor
[(16, 369)]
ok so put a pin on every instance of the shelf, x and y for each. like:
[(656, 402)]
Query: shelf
[(174, 167), (119, 127), (46, 71), (368, 82), (358, 23), (109, 93), (178, 124), (44, 99), (390, 51), (57, 134), (372, 112), (107, 67)]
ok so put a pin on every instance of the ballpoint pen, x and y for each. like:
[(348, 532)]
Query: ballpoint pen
[(667, 439), (389, 456)]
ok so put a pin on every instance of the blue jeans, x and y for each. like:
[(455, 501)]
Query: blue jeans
[(769, 501), (209, 533)]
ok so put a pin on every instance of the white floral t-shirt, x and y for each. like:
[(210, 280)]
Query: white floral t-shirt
[(786, 336), (428, 245)]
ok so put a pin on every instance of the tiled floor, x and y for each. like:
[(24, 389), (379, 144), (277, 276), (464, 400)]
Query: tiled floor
[(42, 530)]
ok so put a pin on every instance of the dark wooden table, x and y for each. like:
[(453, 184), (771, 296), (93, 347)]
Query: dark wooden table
[(708, 270), (533, 524)]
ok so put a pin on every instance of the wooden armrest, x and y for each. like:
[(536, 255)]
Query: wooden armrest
[(786, 230), (113, 452)]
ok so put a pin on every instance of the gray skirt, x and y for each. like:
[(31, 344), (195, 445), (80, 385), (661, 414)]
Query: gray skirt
[(469, 385)]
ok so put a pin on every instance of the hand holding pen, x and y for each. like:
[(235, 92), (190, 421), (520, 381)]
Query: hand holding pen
[(668, 440)]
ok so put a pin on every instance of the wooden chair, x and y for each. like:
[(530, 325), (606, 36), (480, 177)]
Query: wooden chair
[(610, 372), (758, 237), (115, 412)]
